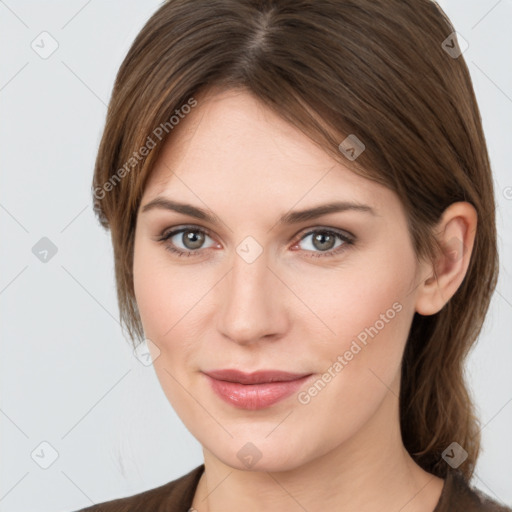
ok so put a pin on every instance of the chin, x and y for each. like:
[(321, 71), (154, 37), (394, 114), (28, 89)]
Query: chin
[(262, 455)]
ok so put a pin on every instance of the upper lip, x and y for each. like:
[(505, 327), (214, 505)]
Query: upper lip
[(258, 377)]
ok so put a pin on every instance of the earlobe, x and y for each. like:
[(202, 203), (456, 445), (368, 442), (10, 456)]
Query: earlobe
[(456, 235)]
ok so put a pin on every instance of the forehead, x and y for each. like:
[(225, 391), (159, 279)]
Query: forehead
[(233, 146)]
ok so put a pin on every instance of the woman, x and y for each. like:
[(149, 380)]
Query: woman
[(302, 214)]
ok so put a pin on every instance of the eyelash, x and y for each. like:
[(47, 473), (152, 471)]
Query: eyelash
[(345, 238)]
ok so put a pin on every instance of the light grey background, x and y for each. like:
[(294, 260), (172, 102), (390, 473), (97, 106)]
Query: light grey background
[(68, 377)]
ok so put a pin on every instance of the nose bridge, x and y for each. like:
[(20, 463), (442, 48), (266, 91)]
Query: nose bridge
[(250, 306)]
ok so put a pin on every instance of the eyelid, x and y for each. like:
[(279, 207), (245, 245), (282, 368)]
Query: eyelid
[(340, 232), (168, 232)]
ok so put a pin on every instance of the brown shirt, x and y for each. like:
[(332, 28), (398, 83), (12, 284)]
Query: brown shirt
[(177, 496)]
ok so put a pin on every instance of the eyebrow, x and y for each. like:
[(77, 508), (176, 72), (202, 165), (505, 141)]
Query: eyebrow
[(288, 218)]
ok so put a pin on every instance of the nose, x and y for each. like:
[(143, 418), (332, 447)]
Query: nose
[(252, 302)]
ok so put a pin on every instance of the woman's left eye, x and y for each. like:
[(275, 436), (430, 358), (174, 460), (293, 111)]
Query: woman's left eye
[(323, 242)]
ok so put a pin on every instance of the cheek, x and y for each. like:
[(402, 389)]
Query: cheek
[(149, 285), (163, 307), (361, 365), (157, 300), (370, 290), (369, 308), (164, 295), (171, 300)]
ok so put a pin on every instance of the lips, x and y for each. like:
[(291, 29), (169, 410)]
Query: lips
[(255, 390)]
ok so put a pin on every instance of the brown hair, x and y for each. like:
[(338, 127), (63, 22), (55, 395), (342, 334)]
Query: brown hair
[(373, 68)]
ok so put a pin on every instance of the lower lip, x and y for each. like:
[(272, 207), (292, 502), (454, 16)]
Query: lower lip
[(255, 396)]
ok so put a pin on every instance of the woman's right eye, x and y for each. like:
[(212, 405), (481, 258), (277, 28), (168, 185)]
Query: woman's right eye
[(190, 238)]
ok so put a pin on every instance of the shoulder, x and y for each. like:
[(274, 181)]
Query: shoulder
[(175, 495), (458, 494)]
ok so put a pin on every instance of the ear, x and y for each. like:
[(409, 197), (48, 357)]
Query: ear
[(456, 234)]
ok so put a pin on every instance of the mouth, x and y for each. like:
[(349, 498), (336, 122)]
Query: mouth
[(256, 390)]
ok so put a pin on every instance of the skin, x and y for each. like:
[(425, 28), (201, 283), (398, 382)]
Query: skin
[(287, 310)]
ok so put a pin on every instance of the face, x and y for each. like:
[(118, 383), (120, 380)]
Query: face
[(252, 286)]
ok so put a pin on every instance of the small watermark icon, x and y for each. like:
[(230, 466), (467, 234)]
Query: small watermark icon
[(249, 454), (44, 455), (249, 249), (44, 45), (146, 352), (454, 45), (454, 455), (44, 250), (455, 249), (351, 147)]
